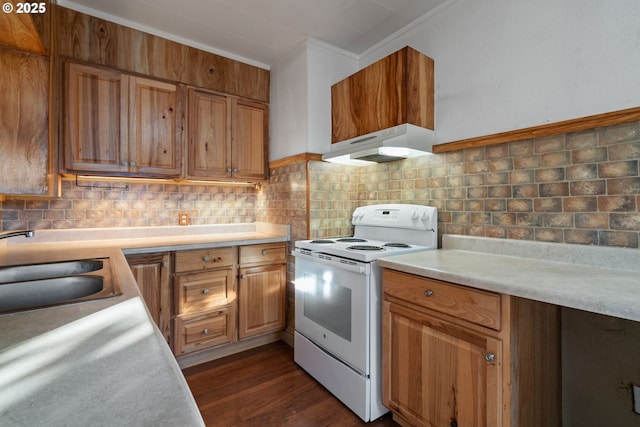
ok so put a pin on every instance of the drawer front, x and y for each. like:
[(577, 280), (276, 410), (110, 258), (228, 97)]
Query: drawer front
[(205, 259), (195, 333), (269, 253), (473, 305), (204, 291)]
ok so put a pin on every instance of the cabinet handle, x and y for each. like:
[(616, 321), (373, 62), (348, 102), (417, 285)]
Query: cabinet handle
[(165, 264), (228, 169), (206, 258), (205, 331), (428, 293), (206, 291), (235, 169), (490, 357), (124, 163), (264, 252), (244, 276)]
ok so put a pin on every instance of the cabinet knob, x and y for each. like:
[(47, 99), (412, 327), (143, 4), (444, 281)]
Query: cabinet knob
[(244, 276), (206, 291), (228, 169), (165, 264), (490, 357), (264, 252), (206, 258), (124, 163), (132, 163), (205, 331), (235, 169), (428, 293)]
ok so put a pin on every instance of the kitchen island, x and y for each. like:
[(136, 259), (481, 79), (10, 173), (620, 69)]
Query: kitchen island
[(102, 362)]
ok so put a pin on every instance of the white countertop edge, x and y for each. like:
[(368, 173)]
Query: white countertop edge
[(169, 232), (600, 256), (604, 290)]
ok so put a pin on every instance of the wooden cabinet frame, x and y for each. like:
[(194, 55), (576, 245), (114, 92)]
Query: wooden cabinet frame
[(516, 362)]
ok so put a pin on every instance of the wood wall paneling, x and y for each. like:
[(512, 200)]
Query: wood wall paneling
[(86, 38), (24, 31)]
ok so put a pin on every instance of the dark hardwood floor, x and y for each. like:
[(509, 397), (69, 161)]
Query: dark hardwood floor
[(264, 387)]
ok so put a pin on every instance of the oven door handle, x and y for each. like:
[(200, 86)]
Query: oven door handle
[(336, 262)]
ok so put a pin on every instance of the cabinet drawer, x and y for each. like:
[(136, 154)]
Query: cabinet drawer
[(269, 253), (204, 291), (473, 305), (195, 333), (205, 258)]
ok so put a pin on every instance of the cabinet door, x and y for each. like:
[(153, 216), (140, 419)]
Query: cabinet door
[(153, 278), (209, 146), (154, 144), (261, 300), (439, 374), (250, 140), (96, 119), (24, 136)]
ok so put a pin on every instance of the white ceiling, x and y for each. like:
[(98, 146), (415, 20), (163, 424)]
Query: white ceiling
[(262, 32)]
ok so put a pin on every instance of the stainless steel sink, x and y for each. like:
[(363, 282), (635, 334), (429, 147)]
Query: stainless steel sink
[(26, 287), (20, 273)]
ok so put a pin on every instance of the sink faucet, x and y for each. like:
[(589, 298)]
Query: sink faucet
[(25, 233)]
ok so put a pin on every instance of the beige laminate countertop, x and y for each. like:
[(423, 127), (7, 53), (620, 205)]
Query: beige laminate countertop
[(597, 279), (102, 362)]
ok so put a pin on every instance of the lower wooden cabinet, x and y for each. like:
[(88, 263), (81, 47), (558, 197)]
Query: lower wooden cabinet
[(261, 289), (457, 356), (211, 297), (204, 330), (153, 276), (261, 300)]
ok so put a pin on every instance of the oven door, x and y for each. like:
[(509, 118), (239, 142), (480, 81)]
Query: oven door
[(331, 306)]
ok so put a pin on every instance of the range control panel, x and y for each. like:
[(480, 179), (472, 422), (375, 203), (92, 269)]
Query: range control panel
[(416, 217)]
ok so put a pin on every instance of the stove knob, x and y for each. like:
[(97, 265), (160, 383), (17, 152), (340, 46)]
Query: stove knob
[(424, 218), (414, 216)]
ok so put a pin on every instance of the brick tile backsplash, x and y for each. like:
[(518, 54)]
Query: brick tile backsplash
[(581, 188)]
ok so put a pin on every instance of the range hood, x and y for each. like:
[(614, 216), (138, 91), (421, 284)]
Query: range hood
[(396, 143), (385, 111)]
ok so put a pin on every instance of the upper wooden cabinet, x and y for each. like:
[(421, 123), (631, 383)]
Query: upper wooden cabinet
[(397, 89), (24, 134), (120, 124), (228, 137), (26, 131)]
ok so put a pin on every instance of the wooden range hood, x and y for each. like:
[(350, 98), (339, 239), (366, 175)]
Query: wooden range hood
[(385, 111)]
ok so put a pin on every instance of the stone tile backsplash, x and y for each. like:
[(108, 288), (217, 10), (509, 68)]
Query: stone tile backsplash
[(140, 205)]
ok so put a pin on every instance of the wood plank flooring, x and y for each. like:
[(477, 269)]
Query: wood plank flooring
[(264, 387)]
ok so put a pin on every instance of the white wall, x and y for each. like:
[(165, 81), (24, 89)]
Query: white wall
[(301, 98), (509, 64), (500, 65)]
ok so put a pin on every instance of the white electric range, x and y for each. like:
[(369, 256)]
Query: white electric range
[(338, 302)]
